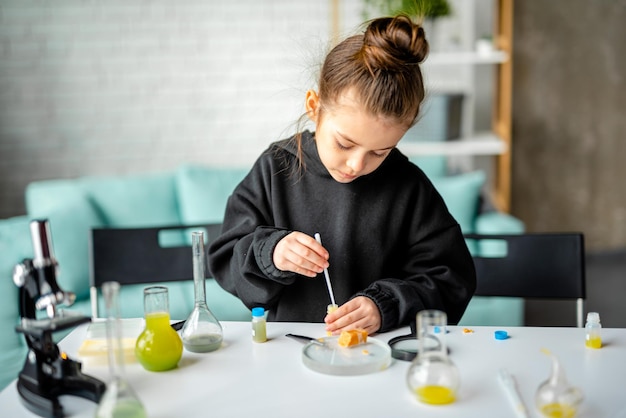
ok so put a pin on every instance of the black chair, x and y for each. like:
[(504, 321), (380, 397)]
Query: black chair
[(533, 266), (142, 255)]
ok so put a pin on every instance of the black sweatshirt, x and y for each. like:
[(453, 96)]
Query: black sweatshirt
[(389, 235)]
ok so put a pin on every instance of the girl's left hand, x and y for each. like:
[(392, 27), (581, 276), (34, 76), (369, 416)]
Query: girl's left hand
[(360, 312)]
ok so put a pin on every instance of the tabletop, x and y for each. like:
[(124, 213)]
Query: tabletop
[(244, 378)]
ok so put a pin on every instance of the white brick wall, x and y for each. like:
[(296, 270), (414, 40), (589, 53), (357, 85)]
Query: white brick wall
[(123, 86)]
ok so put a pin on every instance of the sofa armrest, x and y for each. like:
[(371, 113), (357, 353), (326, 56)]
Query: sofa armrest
[(15, 246), (494, 222)]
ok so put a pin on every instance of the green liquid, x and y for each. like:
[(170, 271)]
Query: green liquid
[(127, 408), (159, 347), (259, 333), (203, 343)]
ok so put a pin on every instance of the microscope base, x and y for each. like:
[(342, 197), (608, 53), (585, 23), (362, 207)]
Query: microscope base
[(39, 392)]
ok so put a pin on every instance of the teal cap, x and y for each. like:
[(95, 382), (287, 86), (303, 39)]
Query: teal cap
[(258, 311)]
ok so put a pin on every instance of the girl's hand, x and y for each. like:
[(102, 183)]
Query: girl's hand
[(360, 312), (301, 254)]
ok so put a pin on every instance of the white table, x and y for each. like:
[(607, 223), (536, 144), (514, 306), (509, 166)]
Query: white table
[(244, 378)]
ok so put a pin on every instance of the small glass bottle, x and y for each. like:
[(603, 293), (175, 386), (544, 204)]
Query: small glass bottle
[(593, 327), (119, 399), (259, 331), (432, 377), (202, 331), (158, 347)]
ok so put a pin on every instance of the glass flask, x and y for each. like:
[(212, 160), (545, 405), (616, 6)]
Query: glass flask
[(158, 347), (555, 397), (202, 331), (119, 399), (432, 377)]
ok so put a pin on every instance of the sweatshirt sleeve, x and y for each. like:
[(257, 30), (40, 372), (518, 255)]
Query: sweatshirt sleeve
[(437, 272), (240, 259)]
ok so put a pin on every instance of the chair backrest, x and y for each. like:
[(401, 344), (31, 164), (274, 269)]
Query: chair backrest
[(537, 266), (142, 255)]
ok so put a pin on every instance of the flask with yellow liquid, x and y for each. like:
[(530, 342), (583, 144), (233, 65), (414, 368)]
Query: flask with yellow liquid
[(158, 347), (433, 378), (555, 398)]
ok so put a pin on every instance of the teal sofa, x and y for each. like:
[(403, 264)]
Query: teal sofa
[(186, 196)]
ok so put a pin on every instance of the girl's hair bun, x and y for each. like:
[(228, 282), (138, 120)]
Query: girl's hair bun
[(392, 42)]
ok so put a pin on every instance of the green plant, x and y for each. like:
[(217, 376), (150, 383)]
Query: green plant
[(421, 9)]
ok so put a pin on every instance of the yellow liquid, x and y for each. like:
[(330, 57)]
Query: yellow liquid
[(159, 347), (594, 342), (435, 395), (557, 410)]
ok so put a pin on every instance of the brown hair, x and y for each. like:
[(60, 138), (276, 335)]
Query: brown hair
[(382, 66)]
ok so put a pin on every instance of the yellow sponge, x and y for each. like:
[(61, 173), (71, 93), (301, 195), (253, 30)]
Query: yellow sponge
[(352, 337)]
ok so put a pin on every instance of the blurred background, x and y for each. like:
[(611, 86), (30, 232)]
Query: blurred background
[(120, 87)]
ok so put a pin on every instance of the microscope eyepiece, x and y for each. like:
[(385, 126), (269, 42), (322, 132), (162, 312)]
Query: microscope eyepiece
[(43, 254)]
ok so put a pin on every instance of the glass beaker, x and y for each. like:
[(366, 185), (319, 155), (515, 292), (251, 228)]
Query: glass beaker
[(202, 331), (432, 377), (119, 399), (158, 347), (555, 397)]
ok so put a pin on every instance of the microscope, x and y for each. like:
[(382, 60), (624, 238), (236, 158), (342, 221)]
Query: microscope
[(47, 373)]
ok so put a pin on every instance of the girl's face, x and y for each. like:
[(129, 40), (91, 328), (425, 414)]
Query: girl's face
[(350, 141)]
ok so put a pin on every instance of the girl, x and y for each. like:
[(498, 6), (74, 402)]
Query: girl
[(390, 244)]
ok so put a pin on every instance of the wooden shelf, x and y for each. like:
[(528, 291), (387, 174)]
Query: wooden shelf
[(466, 57), (481, 144)]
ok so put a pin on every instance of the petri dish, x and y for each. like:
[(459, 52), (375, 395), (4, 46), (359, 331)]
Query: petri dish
[(330, 358)]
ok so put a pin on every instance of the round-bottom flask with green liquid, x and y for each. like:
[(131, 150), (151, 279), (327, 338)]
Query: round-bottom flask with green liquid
[(158, 347)]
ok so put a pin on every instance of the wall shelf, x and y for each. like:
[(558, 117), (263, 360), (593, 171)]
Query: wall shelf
[(466, 57), (453, 72), (480, 144)]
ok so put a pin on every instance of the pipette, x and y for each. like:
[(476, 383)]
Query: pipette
[(508, 383), (318, 238)]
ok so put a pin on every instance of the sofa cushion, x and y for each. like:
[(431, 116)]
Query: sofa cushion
[(134, 201), (494, 311), (432, 165), (461, 193), (15, 245), (203, 192), (71, 217)]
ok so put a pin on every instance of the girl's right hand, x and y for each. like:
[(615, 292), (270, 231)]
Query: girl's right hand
[(300, 253)]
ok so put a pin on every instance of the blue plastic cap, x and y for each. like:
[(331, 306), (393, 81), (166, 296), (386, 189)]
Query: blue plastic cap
[(501, 335), (258, 311)]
